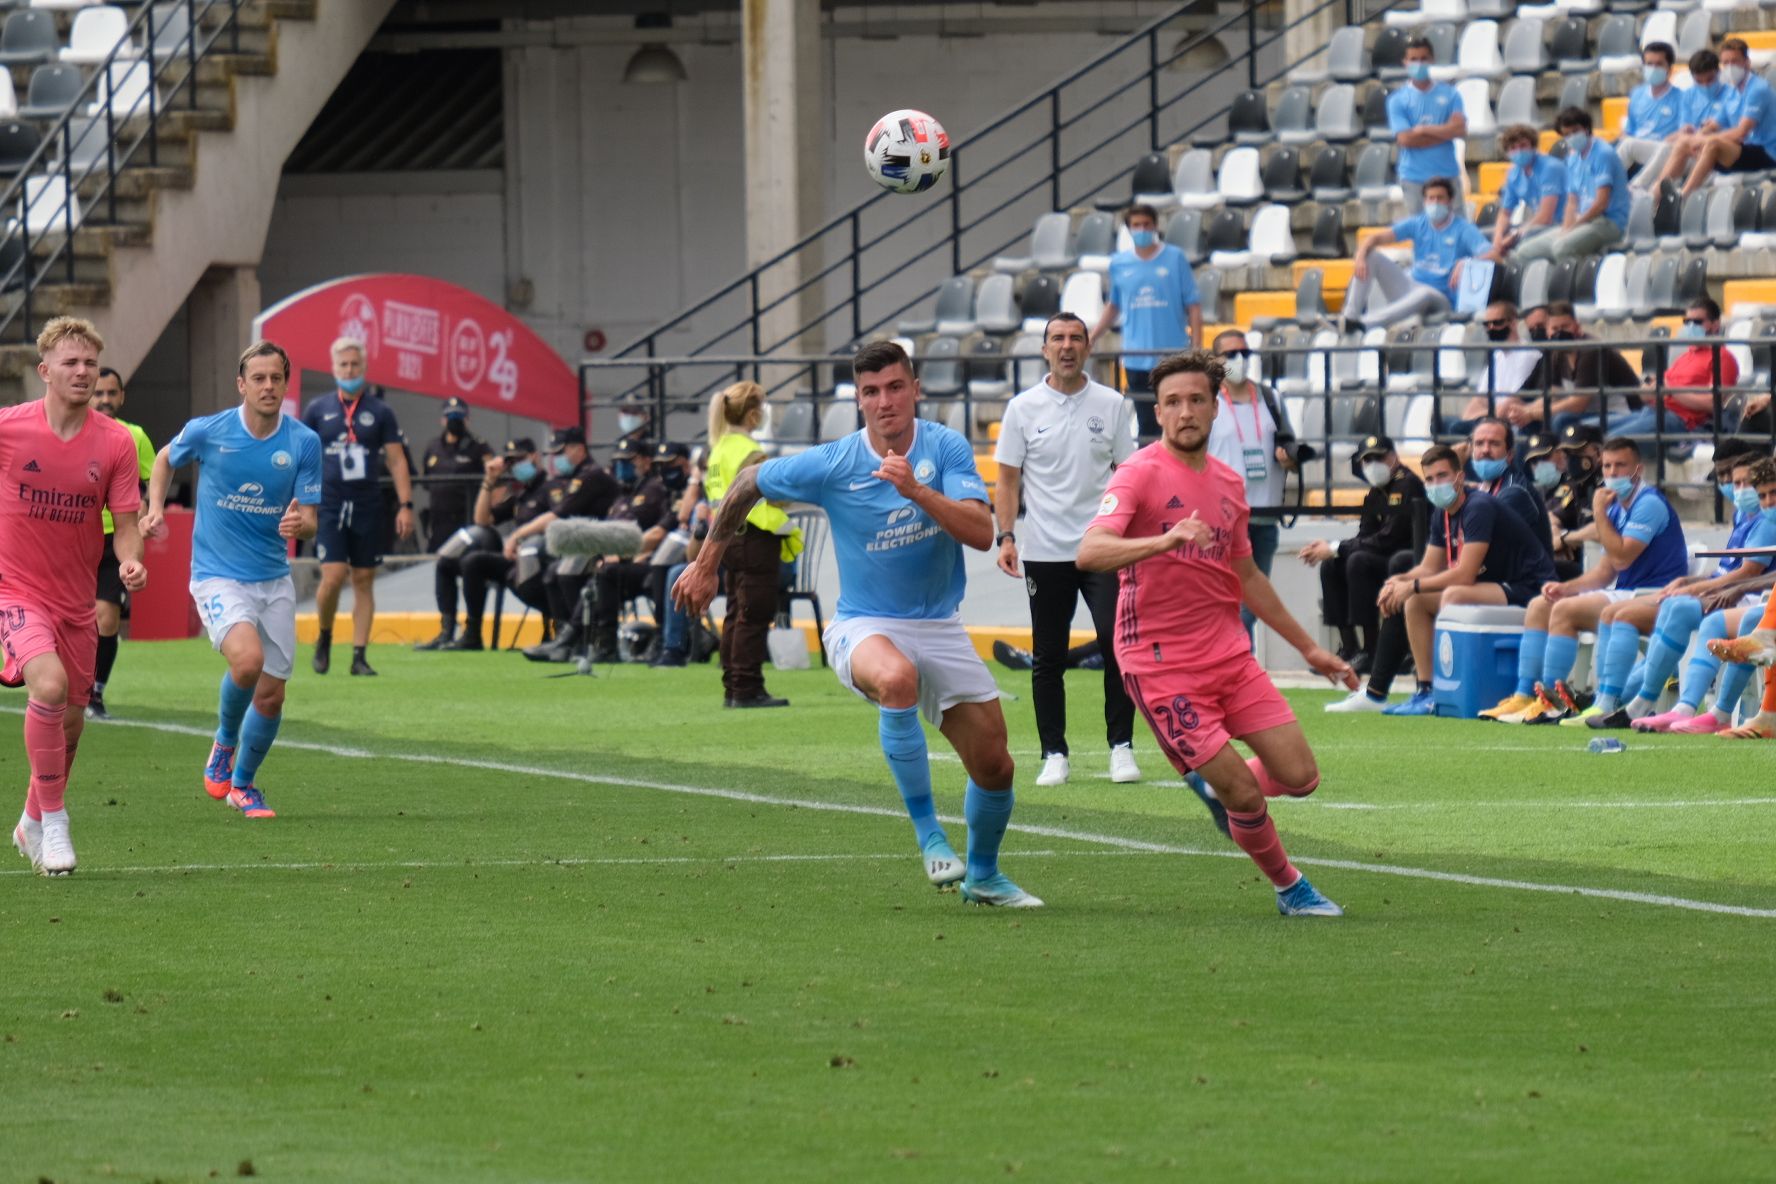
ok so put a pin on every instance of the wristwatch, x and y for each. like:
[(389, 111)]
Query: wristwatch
[(406, 505), (1000, 541)]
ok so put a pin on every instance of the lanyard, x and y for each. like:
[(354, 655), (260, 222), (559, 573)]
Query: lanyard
[(1451, 549), (1257, 424), (349, 409)]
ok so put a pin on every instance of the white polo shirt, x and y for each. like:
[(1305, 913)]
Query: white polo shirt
[(1066, 446)]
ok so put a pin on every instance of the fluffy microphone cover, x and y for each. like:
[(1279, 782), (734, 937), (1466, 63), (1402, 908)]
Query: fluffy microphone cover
[(593, 536)]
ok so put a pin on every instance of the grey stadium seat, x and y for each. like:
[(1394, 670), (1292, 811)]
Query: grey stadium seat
[(1184, 231), (1517, 102), (1248, 120), (1328, 234), (1336, 119), (995, 305), (940, 367), (1526, 51), (1373, 177), (1329, 176), (1152, 182), (1347, 59), (1282, 176), (1293, 123), (1570, 46), (54, 89), (28, 36)]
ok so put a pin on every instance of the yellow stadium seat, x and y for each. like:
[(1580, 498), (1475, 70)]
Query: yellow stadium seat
[(1210, 332), (1248, 306), (993, 431), (1759, 39), (989, 468), (1737, 292), (1335, 277), (1615, 114), (1549, 139), (1492, 176), (1345, 498)]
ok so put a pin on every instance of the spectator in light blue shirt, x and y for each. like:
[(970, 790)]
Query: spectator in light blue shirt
[(1749, 144), (1154, 291), (1710, 106), (1381, 293), (1427, 119), (1536, 186), (1655, 112), (1597, 195)]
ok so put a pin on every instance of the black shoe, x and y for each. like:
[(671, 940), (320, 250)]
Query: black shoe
[(95, 707), (1363, 663), (323, 659), (604, 652), (361, 667), (762, 699), (468, 640), (670, 658), (1011, 656), (1092, 662), (442, 641), (1613, 719)]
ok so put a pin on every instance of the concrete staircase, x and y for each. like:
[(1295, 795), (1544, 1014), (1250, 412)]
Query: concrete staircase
[(205, 199)]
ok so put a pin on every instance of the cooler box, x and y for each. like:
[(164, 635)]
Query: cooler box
[(163, 611), (1474, 658)]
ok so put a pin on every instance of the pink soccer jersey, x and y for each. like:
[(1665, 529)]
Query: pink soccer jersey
[(50, 533), (1178, 611)]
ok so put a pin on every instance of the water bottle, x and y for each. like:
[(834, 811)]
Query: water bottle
[(1607, 745)]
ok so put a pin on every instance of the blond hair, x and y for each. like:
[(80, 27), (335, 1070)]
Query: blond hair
[(729, 409), (341, 344), (61, 329)]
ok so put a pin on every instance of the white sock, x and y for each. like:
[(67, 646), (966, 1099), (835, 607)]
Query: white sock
[(1684, 711), (60, 816), (1724, 714), (1606, 704), (1639, 708)]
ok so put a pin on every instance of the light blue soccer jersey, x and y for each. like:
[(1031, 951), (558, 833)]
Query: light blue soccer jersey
[(1409, 107), (1155, 296), (243, 487), (1653, 117), (1586, 174), (894, 560), (1528, 189)]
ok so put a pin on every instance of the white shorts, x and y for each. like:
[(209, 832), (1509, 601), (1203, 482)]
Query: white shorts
[(269, 606), (950, 672), (1618, 595)]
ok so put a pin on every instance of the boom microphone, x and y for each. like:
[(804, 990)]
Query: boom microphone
[(593, 536)]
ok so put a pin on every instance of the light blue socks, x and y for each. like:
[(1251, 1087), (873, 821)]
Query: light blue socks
[(903, 743), (256, 733), (233, 705), (988, 814)]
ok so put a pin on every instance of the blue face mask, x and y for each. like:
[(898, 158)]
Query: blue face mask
[(1547, 475), (1746, 500), (350, 386), (1442, 495), (1418, 71), (1142, 238), (1489, 470), (1437, 212), (1768, 515), (561, 464), (1578, 142), (525, 471), (1728, 491), (1523, 157), (623, 471), (1620, 486), (1655, 75), (1692, 329)]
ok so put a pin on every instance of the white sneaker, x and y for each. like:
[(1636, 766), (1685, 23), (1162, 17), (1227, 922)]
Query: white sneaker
[(1122, 765), (1054, 770), (943, 866), (1357, 701), (57, 856), (27, 836)]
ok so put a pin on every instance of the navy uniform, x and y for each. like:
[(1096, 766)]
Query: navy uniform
[(453, 458), (1570, 500), (648, 504), (353, 434), (517, 494), (1351, 582)]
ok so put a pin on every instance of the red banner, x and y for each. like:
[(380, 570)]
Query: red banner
[(429, 337)]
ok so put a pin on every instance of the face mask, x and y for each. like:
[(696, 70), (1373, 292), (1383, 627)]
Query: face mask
[(1620, 486), (525, 471), (350, 386), (1547, 476), (1523, 157), (1692, 329), (1418, 71), (1565, 335), (675, 479), (561, 464), (1655, 75), (1442, 496), (1745, 500), (627, 423), (1488, 470), (1142, 238), (1236, 370), (455, 426), (1578, 142), (1539, 333), (1733, 74), (623, 471), (1768, 515), (1729, 492), (1503, 334), (1376, 473), (1436, 211)]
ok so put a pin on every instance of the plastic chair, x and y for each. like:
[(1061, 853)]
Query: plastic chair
[(815, 531), (1184, 231), (1282, 176)]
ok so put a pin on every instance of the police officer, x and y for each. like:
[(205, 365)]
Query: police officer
[(1576, 456), (1353, 570), (359, 435), (455, 456), (512, 490), (648, 504)]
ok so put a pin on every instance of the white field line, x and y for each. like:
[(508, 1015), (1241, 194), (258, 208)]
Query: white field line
[(1114, 841)]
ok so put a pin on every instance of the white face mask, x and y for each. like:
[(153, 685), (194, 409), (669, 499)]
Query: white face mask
[(1235, 369), (1376, 473), (1733, 74), (628, 423)]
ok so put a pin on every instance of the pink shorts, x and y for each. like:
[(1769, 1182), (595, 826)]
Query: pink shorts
[(27, 632), (1193, 716)]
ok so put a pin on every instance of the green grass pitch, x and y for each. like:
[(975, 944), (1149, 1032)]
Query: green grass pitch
[(508, 928)]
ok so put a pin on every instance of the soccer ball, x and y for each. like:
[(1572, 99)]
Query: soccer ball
[(906, 151)]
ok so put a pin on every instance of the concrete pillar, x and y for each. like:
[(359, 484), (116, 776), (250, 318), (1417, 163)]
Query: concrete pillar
[(1312, 34), (784, 99), (219, 327)]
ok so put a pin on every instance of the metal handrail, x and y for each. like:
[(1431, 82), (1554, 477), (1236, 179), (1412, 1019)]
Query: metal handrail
[(18, 242), (1156, 63)]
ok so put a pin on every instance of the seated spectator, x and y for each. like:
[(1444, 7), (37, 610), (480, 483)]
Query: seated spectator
[(1478, 553), (694, 517), (1593, 379), (1597, 195), (1577, 457), (1674, 616), (648, 504), (1441, 239), (1534, 195), (1690, 381), (1746, 142), (1655, 111), (1427, 119), (1493, 469), (511, 489), (1353, 570), (1535, 322), (1511, 378), (1707, 107), (1643, 549)]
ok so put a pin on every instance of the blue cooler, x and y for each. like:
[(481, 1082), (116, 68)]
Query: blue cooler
[(1474, 658)]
